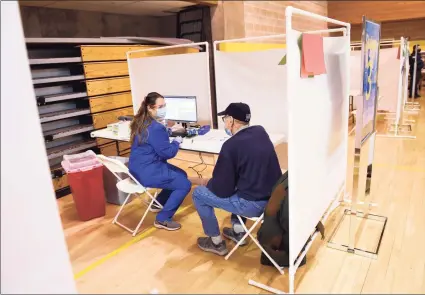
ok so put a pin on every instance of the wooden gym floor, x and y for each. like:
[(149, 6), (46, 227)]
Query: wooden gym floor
[(107, 259)]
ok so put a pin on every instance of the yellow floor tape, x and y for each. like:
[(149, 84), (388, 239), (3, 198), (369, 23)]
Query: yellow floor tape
[(136, 239)]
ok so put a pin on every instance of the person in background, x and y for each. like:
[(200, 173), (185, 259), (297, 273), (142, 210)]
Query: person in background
[(416, 55), (246, 171), (150, 150)]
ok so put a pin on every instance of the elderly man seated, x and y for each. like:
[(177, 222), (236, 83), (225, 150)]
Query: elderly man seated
[(246, 171)]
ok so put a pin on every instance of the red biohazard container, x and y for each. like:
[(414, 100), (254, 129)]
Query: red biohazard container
[(85, 178)]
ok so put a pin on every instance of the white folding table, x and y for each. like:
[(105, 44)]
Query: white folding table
[(209, 143)]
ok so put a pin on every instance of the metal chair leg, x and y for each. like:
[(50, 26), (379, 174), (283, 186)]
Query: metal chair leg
[(121, 208), (146, 213), (247, 232)]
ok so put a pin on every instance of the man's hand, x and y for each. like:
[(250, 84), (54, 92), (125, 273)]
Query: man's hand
[(205, 181), (199, 181)]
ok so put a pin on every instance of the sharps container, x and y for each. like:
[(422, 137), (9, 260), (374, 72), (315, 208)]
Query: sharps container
[(85, 178)]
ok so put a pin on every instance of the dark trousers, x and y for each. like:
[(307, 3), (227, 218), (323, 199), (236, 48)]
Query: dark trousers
[(415, 85)]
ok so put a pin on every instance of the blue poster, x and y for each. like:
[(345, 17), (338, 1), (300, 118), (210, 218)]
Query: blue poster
[(371, 40)]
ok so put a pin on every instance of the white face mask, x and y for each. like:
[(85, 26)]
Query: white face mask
[(160, 113)]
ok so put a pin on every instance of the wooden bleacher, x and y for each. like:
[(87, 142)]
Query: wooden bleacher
[(82, 85)]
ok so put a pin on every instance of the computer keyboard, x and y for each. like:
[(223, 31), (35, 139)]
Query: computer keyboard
[(178, 133)]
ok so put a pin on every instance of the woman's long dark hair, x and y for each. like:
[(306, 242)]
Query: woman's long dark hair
[(143, 118)]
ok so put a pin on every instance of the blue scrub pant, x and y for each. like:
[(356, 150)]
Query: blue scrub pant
[(173, 193)]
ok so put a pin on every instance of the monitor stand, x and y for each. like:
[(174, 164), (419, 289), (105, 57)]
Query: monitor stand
[(179, 126)]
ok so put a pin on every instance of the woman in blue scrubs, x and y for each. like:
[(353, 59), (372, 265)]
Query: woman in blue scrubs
[(150, 150)]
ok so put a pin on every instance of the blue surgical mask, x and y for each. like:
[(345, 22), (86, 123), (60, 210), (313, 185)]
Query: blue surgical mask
[(228, 132), (160, 113)]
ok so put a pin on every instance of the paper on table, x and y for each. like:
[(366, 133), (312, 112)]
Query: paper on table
[(313, 58), (210, 137)]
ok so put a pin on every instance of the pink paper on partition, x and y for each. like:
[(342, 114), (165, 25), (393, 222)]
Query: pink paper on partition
[(313, 58)]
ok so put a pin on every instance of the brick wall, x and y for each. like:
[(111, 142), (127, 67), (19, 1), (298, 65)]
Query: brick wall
[(268, 17)]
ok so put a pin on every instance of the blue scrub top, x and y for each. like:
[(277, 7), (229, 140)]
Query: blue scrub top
[(148, 160)]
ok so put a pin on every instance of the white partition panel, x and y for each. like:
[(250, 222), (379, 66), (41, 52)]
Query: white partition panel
[(177, 74), (355, 72), (317, 145), (34, 256), (256, 79), (405, 65), (388, 80)]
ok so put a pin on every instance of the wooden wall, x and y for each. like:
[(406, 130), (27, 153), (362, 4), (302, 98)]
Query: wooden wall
[(352, 11), (414, 29), (109, 88), (60, 23), (398, 18), (80, 89)]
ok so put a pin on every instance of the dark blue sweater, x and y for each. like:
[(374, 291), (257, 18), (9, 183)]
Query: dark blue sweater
[(247, 165)]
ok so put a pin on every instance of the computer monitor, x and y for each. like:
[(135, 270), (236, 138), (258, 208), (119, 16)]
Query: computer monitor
[(181, 108)]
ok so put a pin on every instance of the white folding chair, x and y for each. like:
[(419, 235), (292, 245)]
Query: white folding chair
[(248, 232), (129, 185)]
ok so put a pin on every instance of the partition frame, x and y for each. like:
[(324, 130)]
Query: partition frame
[(383, 43), (291, 91), (335, 203), (415, 106), (215, 49), (406, 93), (399, 122), (194, 45), (415, 67), (217, 42), (363, 149)]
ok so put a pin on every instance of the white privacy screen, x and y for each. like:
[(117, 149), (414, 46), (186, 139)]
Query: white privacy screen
[(356, 72), (317, 144), (182, 109), (388, 79), (173, 75), (256, 79)]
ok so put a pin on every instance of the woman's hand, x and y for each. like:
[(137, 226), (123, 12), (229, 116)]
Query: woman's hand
[(179, 139)]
